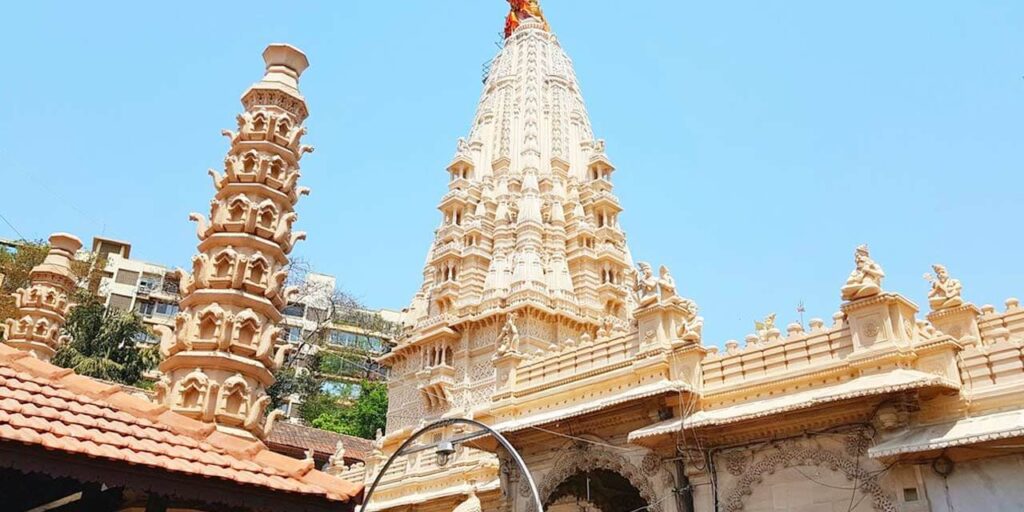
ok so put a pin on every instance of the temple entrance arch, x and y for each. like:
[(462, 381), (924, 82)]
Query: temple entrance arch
[(619, 479), (598, 490), (805, 478)]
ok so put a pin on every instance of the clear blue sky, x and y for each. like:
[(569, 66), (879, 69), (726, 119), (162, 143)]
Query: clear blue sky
[(757, 142)]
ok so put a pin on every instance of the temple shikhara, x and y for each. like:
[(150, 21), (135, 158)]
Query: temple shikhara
[(533, 317)]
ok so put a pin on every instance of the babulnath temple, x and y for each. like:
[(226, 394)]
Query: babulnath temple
[(533, 318)]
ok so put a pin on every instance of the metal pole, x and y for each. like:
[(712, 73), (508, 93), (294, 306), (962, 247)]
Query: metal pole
[(445, 423)]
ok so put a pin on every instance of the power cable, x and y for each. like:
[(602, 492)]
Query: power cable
[(21, 236)]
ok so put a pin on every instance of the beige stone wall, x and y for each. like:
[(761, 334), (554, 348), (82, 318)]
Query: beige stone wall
[(991, 484)]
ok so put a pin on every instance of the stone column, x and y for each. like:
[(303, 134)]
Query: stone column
[(220, 358), (44, 305)]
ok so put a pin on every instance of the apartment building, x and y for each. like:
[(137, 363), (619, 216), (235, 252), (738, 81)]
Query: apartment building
[(148, 289)]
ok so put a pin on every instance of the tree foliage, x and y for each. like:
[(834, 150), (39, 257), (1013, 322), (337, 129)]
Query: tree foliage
[(103, 344), (15, 265), (361, 418)]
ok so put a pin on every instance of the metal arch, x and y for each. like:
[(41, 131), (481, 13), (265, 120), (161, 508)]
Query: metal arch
[(445, 423)]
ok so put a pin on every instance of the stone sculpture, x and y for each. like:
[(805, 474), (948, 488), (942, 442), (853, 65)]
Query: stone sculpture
[(508, 338), (667, 286), (866, 279), (945, 292), (646, 286)]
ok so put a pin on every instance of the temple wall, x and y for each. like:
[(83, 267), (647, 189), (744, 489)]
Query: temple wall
[(805, 475), (992, 485)]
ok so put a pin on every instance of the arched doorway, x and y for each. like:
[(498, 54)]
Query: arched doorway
[(598, 490), (619, 480)]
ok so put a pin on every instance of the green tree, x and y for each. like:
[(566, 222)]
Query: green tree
[(103, 343), (362, 417)]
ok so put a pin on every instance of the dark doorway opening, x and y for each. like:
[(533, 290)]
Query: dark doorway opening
[(602, 488)]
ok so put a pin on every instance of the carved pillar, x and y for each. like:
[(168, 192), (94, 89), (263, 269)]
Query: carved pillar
[(220, 358), (505, 365), (44, 305)]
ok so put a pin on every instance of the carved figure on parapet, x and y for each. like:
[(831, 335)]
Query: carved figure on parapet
[(866, 279), (945, 292), (645, 285), (764, 328), (337, 459), (693, 325), (508, 338), (667, 285)]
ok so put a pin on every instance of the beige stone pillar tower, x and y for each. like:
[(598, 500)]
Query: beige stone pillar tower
[(221, 356), (44, 305)]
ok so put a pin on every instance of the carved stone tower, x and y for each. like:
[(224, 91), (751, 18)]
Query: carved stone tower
[(221, 356), (529, 227), (43, 306)]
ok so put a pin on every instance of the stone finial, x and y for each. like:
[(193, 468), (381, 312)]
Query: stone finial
[(285, 64), (752, 339), (794, 329), (1012, 304), (838, 318), (945, 291), (817, 324), (44, 305), (866, 278)]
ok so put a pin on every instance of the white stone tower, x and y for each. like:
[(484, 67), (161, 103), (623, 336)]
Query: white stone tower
[(529, 227), (528, 258), (44, 305), (220, 358)]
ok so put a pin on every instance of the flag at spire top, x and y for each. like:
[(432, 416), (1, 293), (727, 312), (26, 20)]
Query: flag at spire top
[(520, 10)]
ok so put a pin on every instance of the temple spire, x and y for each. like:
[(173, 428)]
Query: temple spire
[(521, 10), (220, 358)]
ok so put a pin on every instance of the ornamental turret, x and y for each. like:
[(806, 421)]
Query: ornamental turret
[(44, 305), (220, 358)]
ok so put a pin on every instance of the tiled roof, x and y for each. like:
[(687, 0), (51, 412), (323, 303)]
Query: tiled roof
[(52, 407), (299, 438)]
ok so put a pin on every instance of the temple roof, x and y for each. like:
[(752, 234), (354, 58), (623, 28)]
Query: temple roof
[(42, 405), (530, 195), (295, 439), (868, 385)]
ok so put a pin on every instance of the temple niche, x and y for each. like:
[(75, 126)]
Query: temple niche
[(220, 357)]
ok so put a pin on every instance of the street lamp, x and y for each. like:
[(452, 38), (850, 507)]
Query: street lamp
[(446, 448), (444, 451)]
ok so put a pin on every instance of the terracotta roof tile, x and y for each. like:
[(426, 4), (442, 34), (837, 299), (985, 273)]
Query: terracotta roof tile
[(42, 404), (292, 438)]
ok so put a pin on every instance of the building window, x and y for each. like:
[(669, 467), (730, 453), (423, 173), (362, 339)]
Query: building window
[(296, 310), (145, 338), (910, 494), (149, 282), (126, 277), (166, 308), (145, 308), (294, 333), (120, 302)]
